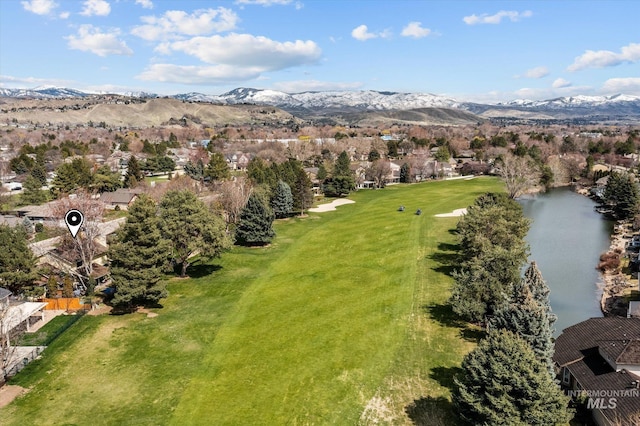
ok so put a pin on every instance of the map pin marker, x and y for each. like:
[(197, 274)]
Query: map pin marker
[(74, 219)]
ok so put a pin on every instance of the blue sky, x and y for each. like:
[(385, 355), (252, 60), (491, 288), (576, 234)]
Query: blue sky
[(469, 50)]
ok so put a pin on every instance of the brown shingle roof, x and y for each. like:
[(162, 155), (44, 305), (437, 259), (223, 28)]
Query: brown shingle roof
[(579, 349), (117, 197), (587, 334)]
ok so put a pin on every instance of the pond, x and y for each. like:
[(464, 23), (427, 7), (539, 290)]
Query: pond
[(567, 237)]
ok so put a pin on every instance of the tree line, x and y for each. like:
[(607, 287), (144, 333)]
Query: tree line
[(509, 378)]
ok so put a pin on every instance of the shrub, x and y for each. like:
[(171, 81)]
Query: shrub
[(609, 261)]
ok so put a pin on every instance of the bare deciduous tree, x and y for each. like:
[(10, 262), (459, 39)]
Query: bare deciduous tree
[(233, 197), (378, 172), (519, 174), (85, 244)]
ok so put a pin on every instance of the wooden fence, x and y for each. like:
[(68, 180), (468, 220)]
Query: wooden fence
[(66, 304)]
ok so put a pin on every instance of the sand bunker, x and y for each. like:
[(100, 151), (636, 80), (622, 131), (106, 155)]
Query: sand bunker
[(455, 213), (331, 206)]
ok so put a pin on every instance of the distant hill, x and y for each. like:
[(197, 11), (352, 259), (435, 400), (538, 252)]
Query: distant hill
[(419, 116), (346, 105), (141, 113)]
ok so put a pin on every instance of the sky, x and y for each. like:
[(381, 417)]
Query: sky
[(484, 51)]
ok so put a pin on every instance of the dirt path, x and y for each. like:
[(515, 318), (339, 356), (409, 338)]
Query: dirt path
[(10, 392)]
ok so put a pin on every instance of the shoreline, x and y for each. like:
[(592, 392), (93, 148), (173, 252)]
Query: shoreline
[(613, 284)]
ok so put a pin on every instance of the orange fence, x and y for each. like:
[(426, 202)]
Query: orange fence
[(66, 304)]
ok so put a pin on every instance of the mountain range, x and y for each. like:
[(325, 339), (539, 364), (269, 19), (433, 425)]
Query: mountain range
[(618, 107)]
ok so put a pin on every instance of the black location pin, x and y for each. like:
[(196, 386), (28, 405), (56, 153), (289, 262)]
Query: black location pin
[(74, 219)]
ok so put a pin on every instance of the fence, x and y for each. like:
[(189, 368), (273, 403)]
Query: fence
[(66, 304), (21, 356)]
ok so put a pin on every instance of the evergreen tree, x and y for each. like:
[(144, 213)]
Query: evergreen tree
[(195, 171), (52, 287), (255, 226), (138, 255), (322, 173), (503, 383), (405, 173), (192, 228), (282, 200), (104, 180), (536, 284), (67, 287), (622, 194), (71, 176), (217, 169), (39, 173), (301, 190), (17, 264), (32, 194), (482, 282), (260, 173), (493, 251), (134, 173), (374, 155), (528, 317), (342, 165)]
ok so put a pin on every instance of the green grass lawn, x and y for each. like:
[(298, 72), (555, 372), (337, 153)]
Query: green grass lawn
[(50, 331), (342, 320)]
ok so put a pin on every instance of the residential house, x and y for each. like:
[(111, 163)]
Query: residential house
[(394, 174), (121, 198), (316, 185), (16, 313), (600, 359)]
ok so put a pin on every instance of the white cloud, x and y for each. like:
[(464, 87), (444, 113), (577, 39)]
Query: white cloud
[(191, 74), (560, 83), (92, 39), (628, 86), (39, 7), (7, 80), (64, 15), (147, 4), (537, 72), (362, 33), (485, 18), (298, 86), (96, 8), (415, 30), (176, 23), (234, 57), (606, 58), (247, 50)]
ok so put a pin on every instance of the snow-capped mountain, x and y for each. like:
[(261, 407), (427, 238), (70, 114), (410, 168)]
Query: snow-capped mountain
[(42, 92), (365, 100), (574, 101), (330, 102)]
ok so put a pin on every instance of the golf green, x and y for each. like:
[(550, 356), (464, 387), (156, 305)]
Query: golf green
[(342, 320)]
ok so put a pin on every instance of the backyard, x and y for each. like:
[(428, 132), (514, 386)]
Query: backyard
[(342, 320)]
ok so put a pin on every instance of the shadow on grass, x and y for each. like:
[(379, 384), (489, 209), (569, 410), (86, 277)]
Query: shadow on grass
[(443, 313), (445, 375), (202, 270), (446, 258), (429, 411)]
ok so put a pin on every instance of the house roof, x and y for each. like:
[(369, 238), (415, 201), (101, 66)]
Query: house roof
[(569, 346), (117, 197), (579, 349), (4, 293)]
